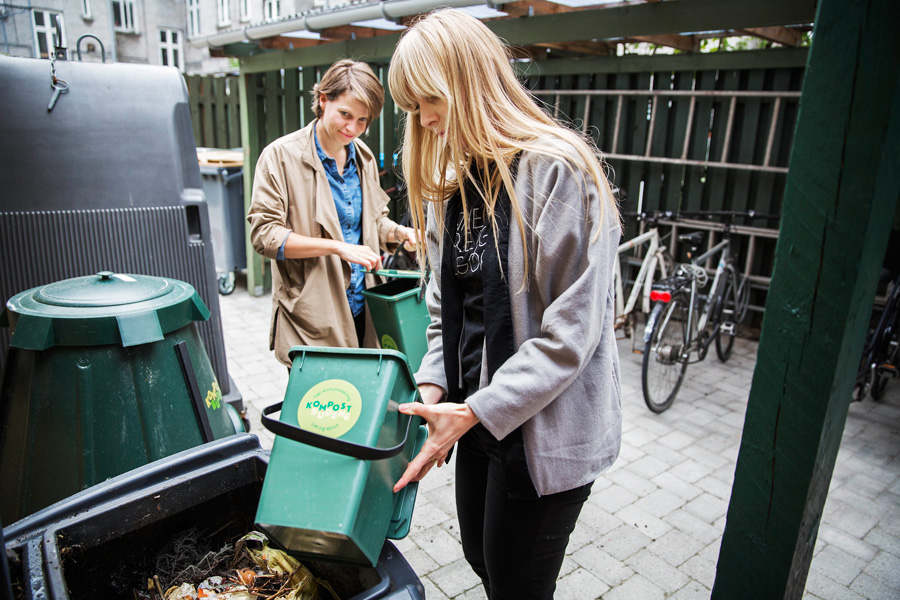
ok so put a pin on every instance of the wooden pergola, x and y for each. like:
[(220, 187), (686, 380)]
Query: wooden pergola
[(598, 43), (840, 198)]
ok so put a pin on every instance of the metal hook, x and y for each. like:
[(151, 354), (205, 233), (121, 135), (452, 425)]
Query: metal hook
[(78, 46), (59, 50)]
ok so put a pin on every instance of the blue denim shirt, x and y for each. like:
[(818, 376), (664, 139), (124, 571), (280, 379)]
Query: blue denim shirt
[(346, 191)]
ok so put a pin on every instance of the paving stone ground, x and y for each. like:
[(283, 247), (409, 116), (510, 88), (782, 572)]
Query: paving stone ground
[(653, 524)]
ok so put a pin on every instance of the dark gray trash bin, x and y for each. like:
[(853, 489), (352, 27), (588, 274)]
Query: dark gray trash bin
[(222, 172), (107, 180)]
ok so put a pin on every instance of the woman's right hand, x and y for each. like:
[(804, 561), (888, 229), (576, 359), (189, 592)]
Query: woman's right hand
[(360, 255), (447, 422)]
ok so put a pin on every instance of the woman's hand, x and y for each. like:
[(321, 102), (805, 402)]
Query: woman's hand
[(360, 255), (408, 234), (447, 422)]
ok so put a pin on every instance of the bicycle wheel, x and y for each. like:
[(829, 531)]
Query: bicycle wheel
[(665, 261), (726, 319), (888, 357), (743, 297), (663, 368)]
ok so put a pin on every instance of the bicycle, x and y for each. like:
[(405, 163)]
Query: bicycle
[(683, 323), (882, 348), (656, 257)]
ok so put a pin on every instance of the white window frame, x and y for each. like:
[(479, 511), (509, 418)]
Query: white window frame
[(193, 20), (48, 31), (319, 3), (223, 9), (271, 10), (128, 18), (166, 47), (86, 12), (245, 10)]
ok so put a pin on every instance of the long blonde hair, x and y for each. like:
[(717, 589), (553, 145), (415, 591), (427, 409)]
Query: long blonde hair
[(491, 117)]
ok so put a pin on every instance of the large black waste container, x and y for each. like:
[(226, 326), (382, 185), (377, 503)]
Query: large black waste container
[(106, 373), (98, 543), (106, 180)]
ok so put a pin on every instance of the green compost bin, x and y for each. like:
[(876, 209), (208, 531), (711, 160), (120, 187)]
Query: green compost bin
[(105, 373), (399, 314), (340, 446)]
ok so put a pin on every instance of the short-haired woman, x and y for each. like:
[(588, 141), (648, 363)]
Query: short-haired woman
[(522, 369), (319, 213)]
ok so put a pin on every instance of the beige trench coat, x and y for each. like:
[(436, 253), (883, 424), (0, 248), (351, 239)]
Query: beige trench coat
[(291, 193)]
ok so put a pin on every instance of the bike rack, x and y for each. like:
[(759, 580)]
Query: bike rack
[(777, 97)]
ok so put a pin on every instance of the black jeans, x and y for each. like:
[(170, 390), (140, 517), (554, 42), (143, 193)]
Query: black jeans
[(515, 545), (359, 321)]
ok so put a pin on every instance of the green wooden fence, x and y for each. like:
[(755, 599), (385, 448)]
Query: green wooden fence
[(738, 119), (756, 129), (278, 102), (215, 110)]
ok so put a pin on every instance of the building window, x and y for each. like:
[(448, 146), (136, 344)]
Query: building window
[(45, 34), (193, 17), (125, 16), (272, 9), (171, 52), (86, 10), (245, 10), (224, 12)]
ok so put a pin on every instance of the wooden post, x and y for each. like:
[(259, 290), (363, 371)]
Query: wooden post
[(841, 193), (251, 123)]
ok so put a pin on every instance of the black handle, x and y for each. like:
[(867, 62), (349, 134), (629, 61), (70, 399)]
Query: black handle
[(309, 438), (190, 380)]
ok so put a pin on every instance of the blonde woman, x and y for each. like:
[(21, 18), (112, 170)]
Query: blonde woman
[(522, 369), (319, 213)]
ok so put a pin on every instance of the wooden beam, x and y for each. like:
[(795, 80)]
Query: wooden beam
[(587, 48), (530, 8), (840, 197), (651, 19), (750, 59), (288, 43), (688, 43), (352, 32), (782, 35)]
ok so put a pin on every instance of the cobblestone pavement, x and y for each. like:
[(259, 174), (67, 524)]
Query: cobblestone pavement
[(653, 524)]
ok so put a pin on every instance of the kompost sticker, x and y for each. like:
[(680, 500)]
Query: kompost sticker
[(330, 408), (388, 343)]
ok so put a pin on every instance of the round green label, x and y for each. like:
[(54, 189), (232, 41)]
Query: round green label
[(388, 343), (330, 408)]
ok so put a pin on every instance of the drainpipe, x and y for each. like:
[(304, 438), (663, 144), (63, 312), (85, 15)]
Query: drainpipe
[(387, 9), (111, 20)]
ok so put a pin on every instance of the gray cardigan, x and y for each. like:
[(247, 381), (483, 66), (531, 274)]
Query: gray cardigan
[(562, 383)]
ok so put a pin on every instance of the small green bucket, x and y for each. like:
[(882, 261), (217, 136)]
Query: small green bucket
[(399, 313), (341, 445)]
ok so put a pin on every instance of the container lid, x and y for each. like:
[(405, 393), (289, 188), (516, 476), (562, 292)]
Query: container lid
[(106, 308), (105, 289), (215, 157)]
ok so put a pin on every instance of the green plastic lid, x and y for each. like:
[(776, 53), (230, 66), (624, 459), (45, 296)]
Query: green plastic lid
[(106, 308), (104, 289)]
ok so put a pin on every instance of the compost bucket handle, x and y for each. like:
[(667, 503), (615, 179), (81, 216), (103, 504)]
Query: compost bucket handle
[(292, 432), (397, 273)]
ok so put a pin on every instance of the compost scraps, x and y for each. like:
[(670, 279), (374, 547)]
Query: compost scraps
[(250, 570)]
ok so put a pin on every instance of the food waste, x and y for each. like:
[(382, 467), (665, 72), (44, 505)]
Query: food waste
[(250, 570)]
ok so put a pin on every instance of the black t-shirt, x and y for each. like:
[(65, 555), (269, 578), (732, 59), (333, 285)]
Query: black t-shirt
[(467, 256)]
